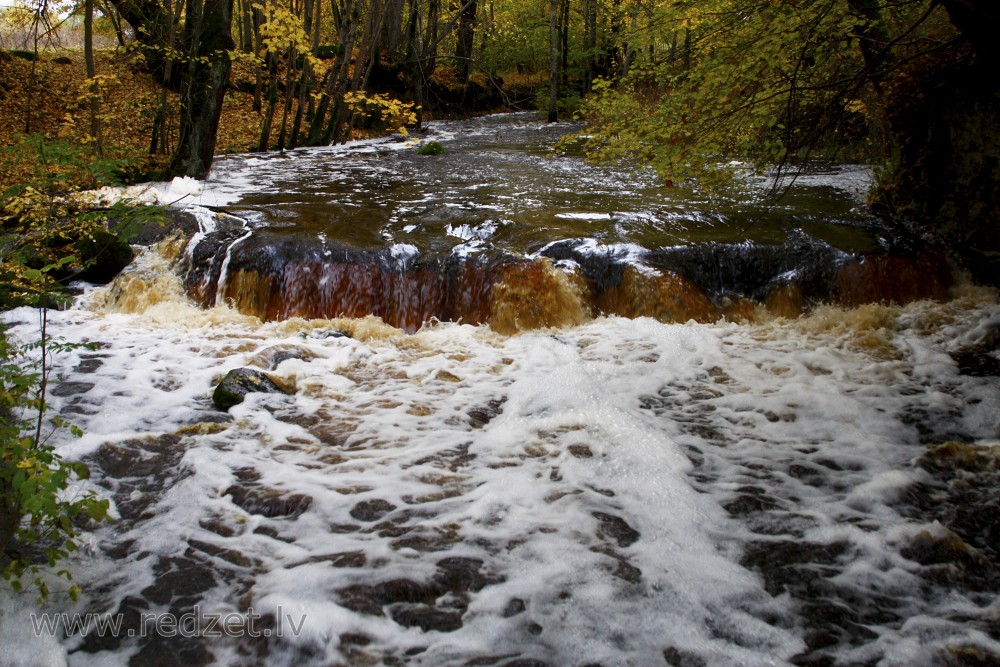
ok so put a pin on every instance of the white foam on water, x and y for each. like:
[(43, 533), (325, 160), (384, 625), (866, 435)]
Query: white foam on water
[(467, 232), (220, 292), (631, 254), (609, 483), (19, 645), (233, 177), (584, 216), (403, 253)]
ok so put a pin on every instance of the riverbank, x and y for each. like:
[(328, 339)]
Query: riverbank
[(47, 152), (46, 98)]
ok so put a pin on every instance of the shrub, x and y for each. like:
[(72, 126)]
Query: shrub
[(55, 165), (38, 520), (431, 148)]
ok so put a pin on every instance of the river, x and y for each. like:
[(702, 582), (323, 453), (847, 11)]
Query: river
[(522, 479)]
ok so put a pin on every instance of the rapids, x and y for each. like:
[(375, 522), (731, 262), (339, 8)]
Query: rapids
[(814, 490)]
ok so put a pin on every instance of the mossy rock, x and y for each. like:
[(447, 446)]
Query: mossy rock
[(23, 55), (431, 148), (242, 381), (103, 255)]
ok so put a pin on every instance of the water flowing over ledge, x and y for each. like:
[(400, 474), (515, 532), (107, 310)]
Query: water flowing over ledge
[(498, 231), (770, 491)]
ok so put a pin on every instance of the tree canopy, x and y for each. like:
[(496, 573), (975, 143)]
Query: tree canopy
[(908, 84), (683, 86), (766, 82)]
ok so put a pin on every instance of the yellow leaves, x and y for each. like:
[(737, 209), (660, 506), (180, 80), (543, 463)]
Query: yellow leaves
[(67, 129), (251, 59), (856, 106), (283, 32), (283, 29), (23, 204), (58, 103), (390, 112), (102, 81)]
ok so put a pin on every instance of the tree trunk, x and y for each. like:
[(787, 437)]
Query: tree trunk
[(979, 22), (564, 44), (272, 102), (116, 21), (589, 44), (428, 50), (258, 69), (88, 57), (208, 39), (348, 18), (307, 81), (687, 49), (248, 33), (629, 53), (464, 40), (392, 39), (289, 94), (151, 22), (873, 39), (614, 50), (159, 141), (553, 115)]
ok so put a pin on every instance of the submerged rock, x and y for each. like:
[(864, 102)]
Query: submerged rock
[(270, 503), (678, 658), (71, 388), (426, 617), (242, 381), (616, 528), (980, 359), (939, 546), (964, 503), (371, 510), (436, 605)]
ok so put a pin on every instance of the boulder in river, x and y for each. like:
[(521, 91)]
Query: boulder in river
[(242, 381), (104, 256)]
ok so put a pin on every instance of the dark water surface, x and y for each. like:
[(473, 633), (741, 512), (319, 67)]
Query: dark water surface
[(499, 182), (375, 227)]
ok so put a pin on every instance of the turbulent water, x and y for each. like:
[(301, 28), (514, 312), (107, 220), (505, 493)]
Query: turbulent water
[(811, 491)]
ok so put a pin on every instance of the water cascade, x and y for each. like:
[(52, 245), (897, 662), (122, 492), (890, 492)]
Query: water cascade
[(682, 439), (471, 236)]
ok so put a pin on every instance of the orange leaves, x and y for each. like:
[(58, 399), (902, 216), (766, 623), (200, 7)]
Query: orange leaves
[(53, 102)]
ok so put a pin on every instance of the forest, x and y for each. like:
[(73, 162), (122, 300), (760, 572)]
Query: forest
[(906, 85)]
